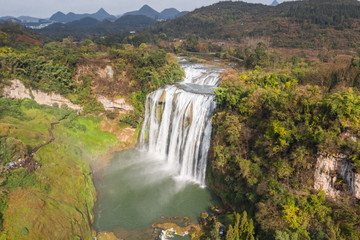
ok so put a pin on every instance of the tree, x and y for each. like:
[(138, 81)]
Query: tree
[(258, 57), (243, 228), (4, 39), (192, 42)]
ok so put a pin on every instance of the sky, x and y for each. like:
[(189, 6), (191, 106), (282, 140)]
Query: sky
[(45, 8)]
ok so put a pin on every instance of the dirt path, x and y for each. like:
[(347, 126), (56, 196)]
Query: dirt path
[(30, 164)]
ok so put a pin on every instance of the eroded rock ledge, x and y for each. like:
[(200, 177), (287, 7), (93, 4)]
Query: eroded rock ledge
[(17, 90)]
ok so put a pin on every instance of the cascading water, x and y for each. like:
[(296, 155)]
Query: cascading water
[(141, 186), (177, 123)]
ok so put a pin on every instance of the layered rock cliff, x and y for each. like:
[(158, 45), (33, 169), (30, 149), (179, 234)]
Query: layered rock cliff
[(333, 170)]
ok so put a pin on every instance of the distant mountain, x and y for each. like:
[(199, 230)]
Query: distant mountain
[(274, 3), (86, 22), (29, 19), (145, 10), (102, 15), (87, 27), (8, 18), (169, 13), (58, 17), (70, 17), (133, 22)]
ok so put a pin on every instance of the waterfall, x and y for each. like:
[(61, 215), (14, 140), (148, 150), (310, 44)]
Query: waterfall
[(177, 124)]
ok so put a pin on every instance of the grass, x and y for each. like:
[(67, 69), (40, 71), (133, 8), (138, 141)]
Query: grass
[(56, 201)]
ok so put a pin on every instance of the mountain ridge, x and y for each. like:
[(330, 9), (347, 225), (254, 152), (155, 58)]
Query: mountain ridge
[(100, 15)]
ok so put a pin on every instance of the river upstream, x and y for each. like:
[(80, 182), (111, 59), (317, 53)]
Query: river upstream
[(163, 179)]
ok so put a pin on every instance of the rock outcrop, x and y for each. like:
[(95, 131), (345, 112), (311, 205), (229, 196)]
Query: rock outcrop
[(17, 90), (328, 171), (111, 105)]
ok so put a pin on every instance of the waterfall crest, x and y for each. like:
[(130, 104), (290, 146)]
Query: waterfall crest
[(177, 124)]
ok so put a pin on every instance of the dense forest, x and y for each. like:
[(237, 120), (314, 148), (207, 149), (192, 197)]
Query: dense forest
[(269, 132), (304, 24)]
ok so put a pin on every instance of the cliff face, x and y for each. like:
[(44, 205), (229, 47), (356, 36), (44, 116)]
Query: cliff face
[(332, 170), (17, 90)]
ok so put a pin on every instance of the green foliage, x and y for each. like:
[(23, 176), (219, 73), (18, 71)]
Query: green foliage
[(294, 24), (241, 229), (132, 119), (267, 132), (151, 70), (12, 34), (11, 108), (325, 12), (286, 236), (53, 68), (46, 73), (258, 57)]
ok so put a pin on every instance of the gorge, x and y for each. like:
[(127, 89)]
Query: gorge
[(165, 175)]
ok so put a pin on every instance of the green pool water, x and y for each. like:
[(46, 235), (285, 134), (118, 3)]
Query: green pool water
[(139, 188)]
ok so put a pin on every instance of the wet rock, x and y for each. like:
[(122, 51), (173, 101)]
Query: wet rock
[(162, 99)]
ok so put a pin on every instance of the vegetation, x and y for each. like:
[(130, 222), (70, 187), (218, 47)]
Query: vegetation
[(301, 24), (151, 70), (57, 199), (275, 113), (268, 130), (54, 68), (13, 35)]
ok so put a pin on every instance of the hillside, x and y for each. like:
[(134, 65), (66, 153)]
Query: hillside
[(13, 34), (302, 24)]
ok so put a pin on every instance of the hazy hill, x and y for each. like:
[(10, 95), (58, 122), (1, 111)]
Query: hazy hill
[(291, 24), (29, 19), (65, 18), (133, 22), (274, 3), (169, 13), (8, 18), (146, 10), (87, 27)]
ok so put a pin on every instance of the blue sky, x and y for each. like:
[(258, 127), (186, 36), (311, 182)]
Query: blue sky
[(45, 8)]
